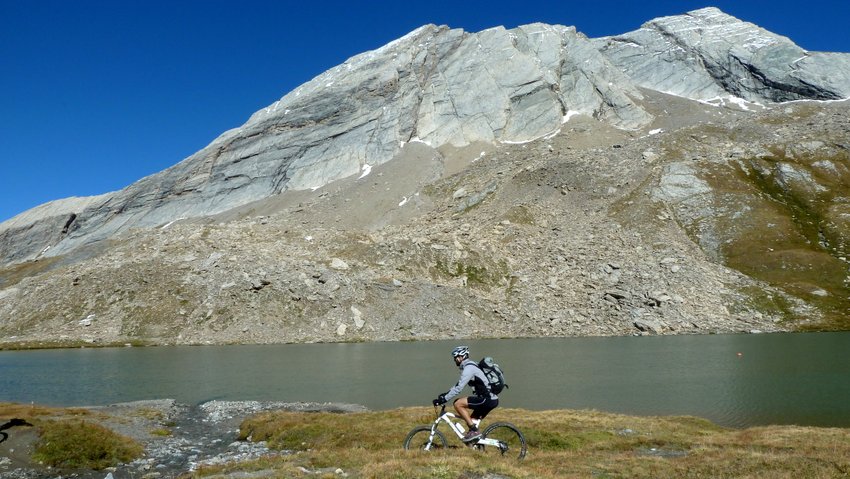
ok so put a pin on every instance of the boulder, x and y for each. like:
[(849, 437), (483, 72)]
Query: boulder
[(648, 325)]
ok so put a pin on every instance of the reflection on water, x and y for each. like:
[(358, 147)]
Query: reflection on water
[(736, 380)]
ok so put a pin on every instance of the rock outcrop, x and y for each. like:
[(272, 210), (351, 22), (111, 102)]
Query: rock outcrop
[(707, 54)]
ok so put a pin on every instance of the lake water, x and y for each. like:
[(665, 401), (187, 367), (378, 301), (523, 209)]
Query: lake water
[(733, 380)]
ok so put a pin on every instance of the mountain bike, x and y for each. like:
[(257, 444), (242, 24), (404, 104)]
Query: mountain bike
[(502, 438)]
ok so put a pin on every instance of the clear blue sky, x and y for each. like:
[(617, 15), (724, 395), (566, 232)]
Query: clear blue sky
[(95, 95)]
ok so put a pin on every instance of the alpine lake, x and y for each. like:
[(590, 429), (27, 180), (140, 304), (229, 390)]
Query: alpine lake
[(732, 380)]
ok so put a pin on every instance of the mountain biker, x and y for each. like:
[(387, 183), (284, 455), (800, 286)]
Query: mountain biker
[(480, 403)]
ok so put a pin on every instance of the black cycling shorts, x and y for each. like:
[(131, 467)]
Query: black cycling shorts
[(481, 406)]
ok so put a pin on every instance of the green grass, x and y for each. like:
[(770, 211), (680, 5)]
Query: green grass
[(796, 239), (70, 438), (481, 273), (78, 444)]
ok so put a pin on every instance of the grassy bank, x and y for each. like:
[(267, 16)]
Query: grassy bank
[(561, 444), (68, 438)]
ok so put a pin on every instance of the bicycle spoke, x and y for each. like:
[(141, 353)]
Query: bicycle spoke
[(418, 439), (511, 442)]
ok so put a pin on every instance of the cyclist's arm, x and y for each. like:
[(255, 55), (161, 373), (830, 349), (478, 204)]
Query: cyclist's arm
[(465, 376)]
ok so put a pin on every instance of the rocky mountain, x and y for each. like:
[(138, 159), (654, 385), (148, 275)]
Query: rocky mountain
[(707, 54), (520, 182)]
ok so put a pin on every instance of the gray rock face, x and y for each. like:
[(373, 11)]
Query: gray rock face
[(33, 232), (706, 53), (442, 87), (437, 85)]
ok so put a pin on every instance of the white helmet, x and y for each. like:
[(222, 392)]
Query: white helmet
[(460, 351)]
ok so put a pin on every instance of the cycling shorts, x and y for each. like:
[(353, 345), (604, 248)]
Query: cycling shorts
[(481, 406)]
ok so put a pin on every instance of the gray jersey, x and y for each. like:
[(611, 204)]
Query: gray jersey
[(471, 374)]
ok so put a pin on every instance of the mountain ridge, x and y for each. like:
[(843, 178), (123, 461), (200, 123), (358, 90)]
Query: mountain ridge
[(544, 200), (733, 57), (331, 131)]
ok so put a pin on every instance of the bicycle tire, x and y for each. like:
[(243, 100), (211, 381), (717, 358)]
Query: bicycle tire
[(506, 433), (417, 439)]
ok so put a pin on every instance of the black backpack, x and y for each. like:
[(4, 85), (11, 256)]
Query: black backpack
[(494, 374)]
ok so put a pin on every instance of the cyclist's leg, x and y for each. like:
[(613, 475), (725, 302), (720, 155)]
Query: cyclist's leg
[(464, 410), (474, 407), (465, 407)]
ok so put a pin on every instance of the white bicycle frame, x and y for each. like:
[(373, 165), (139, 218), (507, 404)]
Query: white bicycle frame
[(456, 424)]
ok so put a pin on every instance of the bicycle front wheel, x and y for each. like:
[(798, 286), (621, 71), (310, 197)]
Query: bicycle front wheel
[(509, 440), (420, 438)]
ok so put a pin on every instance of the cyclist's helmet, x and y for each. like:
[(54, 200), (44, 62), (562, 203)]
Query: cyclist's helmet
[(460, 351)]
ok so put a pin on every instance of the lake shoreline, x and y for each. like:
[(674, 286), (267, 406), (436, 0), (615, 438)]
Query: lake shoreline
[(733, 380), (209, 440), (28, 345), (176, 437)]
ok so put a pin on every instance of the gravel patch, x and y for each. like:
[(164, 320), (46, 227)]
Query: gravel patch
[(177, 438)]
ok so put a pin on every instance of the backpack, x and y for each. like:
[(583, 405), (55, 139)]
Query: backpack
[(494, 374)]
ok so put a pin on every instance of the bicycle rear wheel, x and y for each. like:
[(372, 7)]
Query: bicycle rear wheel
[(418, 438), (510, 439)]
